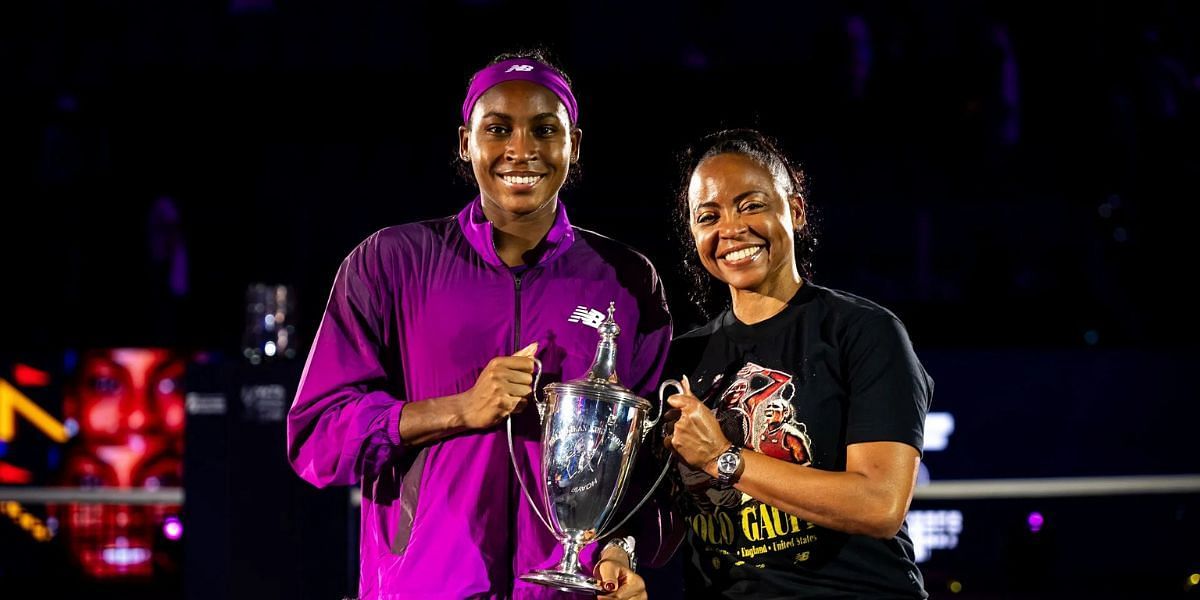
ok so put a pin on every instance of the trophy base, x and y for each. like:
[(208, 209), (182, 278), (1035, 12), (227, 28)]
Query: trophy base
[(566, 582)]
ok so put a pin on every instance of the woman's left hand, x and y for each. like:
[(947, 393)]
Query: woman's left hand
[(618, 580), (696, 435)]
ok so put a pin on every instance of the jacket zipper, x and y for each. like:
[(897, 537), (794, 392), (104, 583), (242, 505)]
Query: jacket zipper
[(512, 491), (517, 311)]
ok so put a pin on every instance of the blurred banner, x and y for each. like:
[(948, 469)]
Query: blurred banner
[(93, 473)]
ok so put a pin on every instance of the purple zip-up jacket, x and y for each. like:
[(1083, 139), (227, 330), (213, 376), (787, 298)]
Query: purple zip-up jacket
[(416, 312)]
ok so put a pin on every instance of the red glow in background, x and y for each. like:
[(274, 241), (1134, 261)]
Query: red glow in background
[(129, 404)]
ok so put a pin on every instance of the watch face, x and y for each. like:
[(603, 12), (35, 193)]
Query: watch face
[(727, 463)]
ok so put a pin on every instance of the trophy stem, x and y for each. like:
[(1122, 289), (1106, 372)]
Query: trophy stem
[(566, 576), (570, 559)]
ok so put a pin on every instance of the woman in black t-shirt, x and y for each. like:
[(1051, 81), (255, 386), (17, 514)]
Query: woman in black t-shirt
[(800, 430)]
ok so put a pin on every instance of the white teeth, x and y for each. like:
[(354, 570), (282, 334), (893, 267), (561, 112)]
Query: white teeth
[(743, 253), (521, 180)]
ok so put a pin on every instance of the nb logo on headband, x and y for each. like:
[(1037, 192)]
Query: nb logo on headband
[(522, 68)]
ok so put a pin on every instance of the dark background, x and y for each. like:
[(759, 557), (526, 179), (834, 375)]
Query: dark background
[(1016, 181), (287, 134)]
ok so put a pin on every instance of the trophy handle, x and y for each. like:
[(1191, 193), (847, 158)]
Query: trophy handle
[(541, 408), (646, 427), (540, 405), (662, 405), (650, 492)]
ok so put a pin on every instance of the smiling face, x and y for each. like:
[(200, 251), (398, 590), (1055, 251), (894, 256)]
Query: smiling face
[(129, 404), (521, 145), (776, 411), (743, 221), (119, 540)]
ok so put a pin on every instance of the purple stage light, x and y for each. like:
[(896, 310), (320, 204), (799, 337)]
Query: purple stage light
[(173, 528), (1035, 521)]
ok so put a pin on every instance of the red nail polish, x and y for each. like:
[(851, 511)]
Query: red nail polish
[(609, 586)]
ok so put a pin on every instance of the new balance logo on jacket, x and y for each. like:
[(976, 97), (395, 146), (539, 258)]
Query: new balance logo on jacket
[(588, 316)]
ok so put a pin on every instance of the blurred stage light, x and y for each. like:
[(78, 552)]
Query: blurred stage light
[(10, 473), (27, 376), (13, 403), (1035, 521), (955, 586), (938, 427), (123, 557), (934, 530), (173, 528), (29, 522)]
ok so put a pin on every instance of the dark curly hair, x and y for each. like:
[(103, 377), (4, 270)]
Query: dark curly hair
[(757, 147), (543, 56)]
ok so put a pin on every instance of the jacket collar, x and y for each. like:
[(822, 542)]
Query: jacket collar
[(479, 233)]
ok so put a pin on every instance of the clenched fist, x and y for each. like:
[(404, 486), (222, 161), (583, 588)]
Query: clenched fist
[(501, 389), (692, 430)]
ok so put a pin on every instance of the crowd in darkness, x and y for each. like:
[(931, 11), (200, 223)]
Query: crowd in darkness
[(1001, 175)]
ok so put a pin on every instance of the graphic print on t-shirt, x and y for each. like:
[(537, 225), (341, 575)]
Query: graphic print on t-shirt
[(762, 399), (757, 412)]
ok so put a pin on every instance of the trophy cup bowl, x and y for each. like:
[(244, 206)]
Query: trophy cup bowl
[(592, 428), (590, 441)]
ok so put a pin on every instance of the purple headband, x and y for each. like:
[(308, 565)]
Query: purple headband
[(525, 69)]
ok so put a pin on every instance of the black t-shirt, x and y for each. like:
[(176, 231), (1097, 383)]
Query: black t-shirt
[(830, 370)]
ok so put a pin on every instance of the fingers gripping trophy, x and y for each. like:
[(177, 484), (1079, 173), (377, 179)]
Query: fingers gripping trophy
[(592, 428)]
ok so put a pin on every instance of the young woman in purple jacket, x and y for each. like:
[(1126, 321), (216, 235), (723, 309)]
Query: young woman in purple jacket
[(427, 345)]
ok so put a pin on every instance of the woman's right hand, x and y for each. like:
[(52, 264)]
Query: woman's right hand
[(502, 389), (692, 431)]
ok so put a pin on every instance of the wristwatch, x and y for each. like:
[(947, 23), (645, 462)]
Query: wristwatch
[(730, 465), (625, 543)]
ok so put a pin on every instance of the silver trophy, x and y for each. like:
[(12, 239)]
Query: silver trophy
[(591, 430)]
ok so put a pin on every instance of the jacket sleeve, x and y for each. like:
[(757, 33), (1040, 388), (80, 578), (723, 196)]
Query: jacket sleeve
[(345, 421)]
